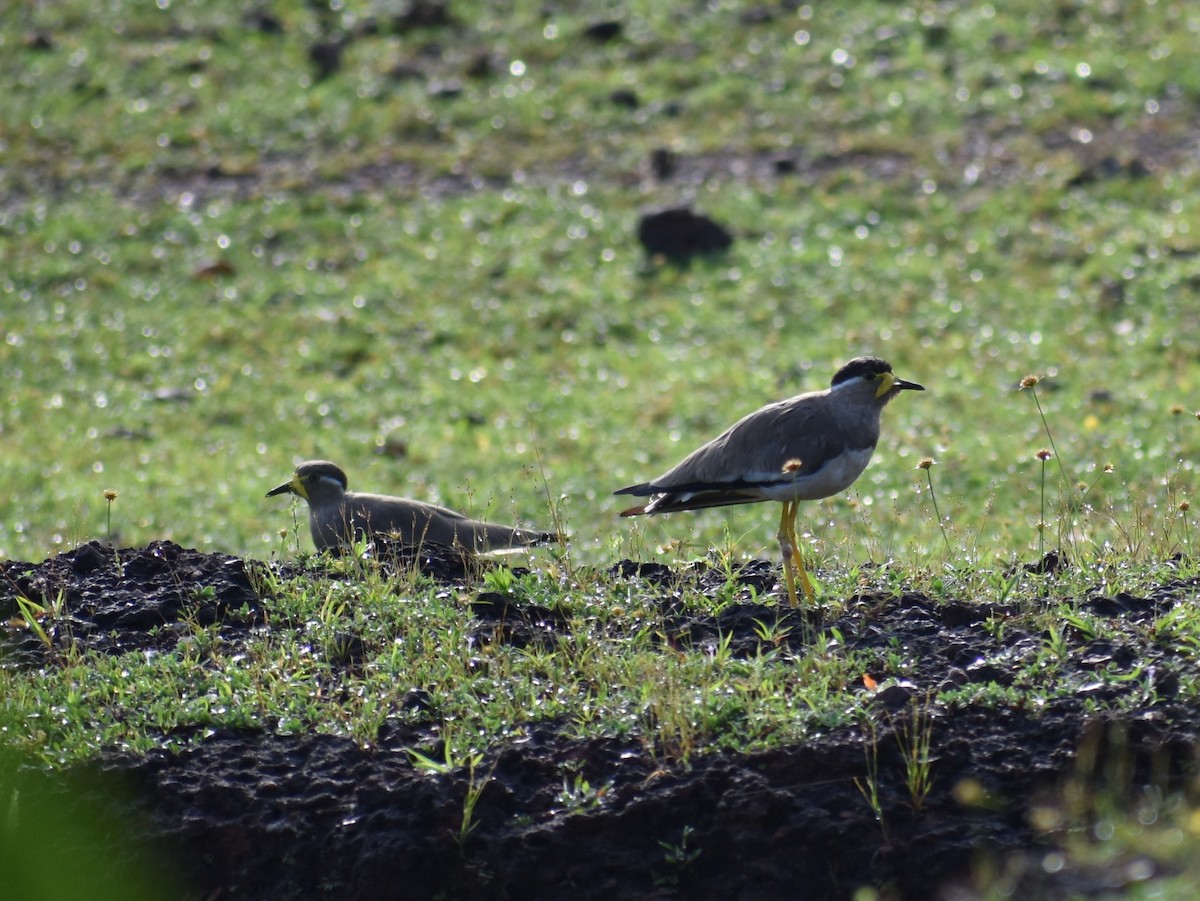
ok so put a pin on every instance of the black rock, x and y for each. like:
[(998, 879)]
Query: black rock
[(679, 234), (603, 32)]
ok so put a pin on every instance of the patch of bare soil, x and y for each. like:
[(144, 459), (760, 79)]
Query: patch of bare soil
[(253, 815)]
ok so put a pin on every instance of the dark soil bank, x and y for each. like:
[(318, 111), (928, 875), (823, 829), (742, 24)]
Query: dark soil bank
[(260, 816)]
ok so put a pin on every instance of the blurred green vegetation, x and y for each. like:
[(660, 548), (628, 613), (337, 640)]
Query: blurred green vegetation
[(65, 836)]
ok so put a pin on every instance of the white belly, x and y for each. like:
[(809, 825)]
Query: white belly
[(835, 476)]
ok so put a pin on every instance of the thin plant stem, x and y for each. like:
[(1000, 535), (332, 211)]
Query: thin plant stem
[(554, 506), (1050, 437), (1184, 506), (933, 497), (1041, 526), (1104, 470), (927, 465), (1030, 383), (110, 495)]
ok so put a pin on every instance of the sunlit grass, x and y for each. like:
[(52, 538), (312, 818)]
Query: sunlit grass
[(402, 317), (196, 396), (609, 674)]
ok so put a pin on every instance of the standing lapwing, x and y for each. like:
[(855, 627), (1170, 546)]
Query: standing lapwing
[(807, 447)]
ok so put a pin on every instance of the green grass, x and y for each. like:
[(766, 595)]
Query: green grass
[(216, 265), (608, 675), (365, 304)]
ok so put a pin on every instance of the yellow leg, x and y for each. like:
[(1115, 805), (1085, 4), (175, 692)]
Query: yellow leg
[(785, 550), (793, 563), (804, 581)]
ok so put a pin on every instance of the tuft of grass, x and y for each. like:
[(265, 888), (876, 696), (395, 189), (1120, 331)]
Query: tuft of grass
[(915, 737), (869, 785), (31, 615)]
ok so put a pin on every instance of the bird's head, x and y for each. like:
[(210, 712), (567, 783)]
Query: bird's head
[(873, 375), (314, 480)]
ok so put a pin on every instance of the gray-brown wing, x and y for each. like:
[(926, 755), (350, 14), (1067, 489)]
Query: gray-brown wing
[(755, 449), (417, 522), (777, 443)]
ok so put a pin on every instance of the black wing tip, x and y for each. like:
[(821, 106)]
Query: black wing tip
[(645, 489)]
